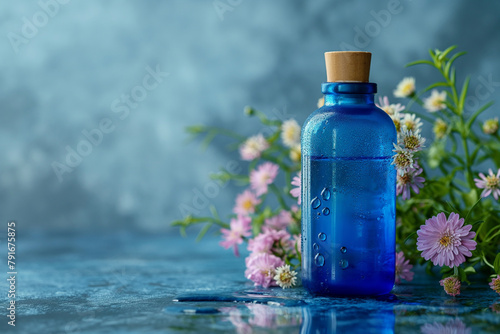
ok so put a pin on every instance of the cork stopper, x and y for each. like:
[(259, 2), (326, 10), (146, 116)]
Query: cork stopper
[(347, 66)]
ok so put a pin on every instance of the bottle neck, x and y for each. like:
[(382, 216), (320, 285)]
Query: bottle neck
[(349, 93)]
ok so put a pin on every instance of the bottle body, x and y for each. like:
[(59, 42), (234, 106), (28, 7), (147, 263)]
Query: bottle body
[(348, 194)]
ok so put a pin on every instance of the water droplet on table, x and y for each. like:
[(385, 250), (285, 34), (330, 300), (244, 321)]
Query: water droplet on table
[(315, 203), (319, 260), (322, 236)]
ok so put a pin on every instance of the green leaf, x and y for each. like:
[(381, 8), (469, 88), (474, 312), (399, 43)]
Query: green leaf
[(450, 106), (453, 208), (496, 264), (474, 154), (445, 53), (463, 95), (452, 59), (470, 270), (437, 84), (418, 62), (195, 129), (408, 237), (453, 76), (463, 275), (471, 199), (214, 212), (203, 231), (477, 113)]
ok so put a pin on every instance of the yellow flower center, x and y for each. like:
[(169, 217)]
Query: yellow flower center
[(285, 277), (496, 285), (440, 128), (253, 145), (247, 204), (492, 182), (410, 125), (402, 160), (404, 179), (445, 241), (411, 142), (437, 103), (407, 88), (397, 124)]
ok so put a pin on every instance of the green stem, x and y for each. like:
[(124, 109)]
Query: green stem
[(453, 90), (487, 237), (279, 197), (487, 263), (468, 171)]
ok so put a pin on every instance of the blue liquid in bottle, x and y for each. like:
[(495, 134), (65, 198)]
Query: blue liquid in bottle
[(348, 194)]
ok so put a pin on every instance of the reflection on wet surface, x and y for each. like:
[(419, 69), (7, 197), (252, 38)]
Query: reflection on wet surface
[(134, 286), (411, 309)]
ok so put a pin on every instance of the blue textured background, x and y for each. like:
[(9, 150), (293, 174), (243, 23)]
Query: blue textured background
[(65, 77)]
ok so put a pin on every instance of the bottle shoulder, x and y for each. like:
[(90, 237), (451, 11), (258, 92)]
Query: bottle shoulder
[(340, 114), (348, 130)]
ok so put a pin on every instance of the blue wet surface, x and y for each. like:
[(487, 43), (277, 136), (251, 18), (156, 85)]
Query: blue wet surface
[(135, 283)]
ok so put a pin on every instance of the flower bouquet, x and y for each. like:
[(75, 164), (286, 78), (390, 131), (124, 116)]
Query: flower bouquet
[(448, 213)]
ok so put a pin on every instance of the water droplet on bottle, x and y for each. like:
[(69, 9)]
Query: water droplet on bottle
[(315, 246), (343, 250), (322, 236), (334, 189), (315, 203), (378, 218), (319, 260), (326, 211), (326, 194), (344, 264)]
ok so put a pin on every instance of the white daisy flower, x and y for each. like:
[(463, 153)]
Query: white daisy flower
[(285, 277), (405, 88), (435, 102), (290, 133)]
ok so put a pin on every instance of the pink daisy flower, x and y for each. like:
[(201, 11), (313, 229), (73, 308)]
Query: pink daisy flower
[(239, 228), (270, 241), (295, 192), (445, 242), (261, 268), (495, 284), (263, 176), (490, 184), (403, 268), (451, 285), (245, 203), (280, 221), (253, 147), (409, 179)]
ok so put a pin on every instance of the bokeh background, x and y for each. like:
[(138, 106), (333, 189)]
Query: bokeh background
[(69, 66)]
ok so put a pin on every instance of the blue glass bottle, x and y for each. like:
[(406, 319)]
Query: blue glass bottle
[(348, 194)]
